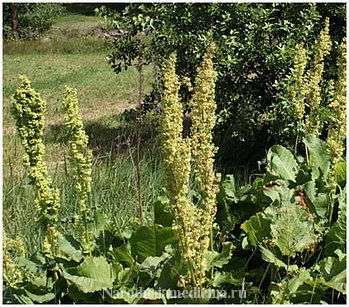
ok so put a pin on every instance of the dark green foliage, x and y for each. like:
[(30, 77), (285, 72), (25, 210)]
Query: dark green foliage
[(294, 232), (32, 19), (88, 9), (255, 50)]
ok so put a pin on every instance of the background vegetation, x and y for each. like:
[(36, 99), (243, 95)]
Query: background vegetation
[(114, 60), (256, 45)]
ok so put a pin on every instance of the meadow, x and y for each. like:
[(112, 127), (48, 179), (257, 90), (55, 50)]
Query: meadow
[(63, 57)]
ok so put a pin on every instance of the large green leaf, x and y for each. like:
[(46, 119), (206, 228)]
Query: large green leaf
[(100, 221), (341, 172), (67, 251), (293, 230), (257, 228), (319, 201), (282, 163), (279, 191), (123, 255), (162, 212), (130, 295), (220, 279), (215, 259), (333, 272), (93, 274), (229, 188), (40, 298), (285, 291), (150, 241), (38, 276), (268, 256), (319, 158), (154, 295), (126, 276), (152, 263)]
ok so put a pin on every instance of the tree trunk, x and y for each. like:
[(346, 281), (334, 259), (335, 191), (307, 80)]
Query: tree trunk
[(14, 18)]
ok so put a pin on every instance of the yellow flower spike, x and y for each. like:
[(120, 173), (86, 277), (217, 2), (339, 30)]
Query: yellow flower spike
[(313, 97), (28, 111), (193, 225), (203, 120), (337, 132), (81, 162), (296, 91)]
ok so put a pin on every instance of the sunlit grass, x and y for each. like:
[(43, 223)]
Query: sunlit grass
[(62, 58)]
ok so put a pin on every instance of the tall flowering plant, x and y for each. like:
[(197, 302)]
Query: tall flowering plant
[(81, 164), (193, 222), (28, 111)]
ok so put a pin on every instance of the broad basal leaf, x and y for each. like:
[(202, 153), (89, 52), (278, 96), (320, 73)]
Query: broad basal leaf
[(281, 163), (215, 259), (319, 201), (257, 228), (293, 230), (67, 250), (333, 272), (93, 274), (152, 263), (220, 279), (229, 189), (150, 241), (268, 256), (40, 298), (319, 158), (123, 255)]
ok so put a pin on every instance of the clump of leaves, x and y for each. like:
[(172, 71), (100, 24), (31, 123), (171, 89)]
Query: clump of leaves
[(291, 225)]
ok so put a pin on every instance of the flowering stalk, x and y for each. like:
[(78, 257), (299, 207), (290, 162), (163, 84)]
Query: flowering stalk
[(28, 111), (193, 224), (296, 90), (177, 161), (336, 133), (81, 162), (313, 99), (203, 120)]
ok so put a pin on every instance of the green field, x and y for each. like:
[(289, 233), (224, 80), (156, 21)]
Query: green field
[(63, 57)]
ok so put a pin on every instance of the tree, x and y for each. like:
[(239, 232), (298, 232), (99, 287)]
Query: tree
[(255, 44)]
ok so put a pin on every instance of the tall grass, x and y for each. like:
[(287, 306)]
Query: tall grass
[(114, 192)]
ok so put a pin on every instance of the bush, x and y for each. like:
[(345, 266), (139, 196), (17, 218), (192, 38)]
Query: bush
[(29, 20), (255, 43)]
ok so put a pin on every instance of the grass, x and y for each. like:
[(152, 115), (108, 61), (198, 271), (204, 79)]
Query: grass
[(113, 191), (63, 57), (100, 89)]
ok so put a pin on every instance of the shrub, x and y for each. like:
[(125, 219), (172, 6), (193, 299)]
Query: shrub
[(29, 20), (255, 49)]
